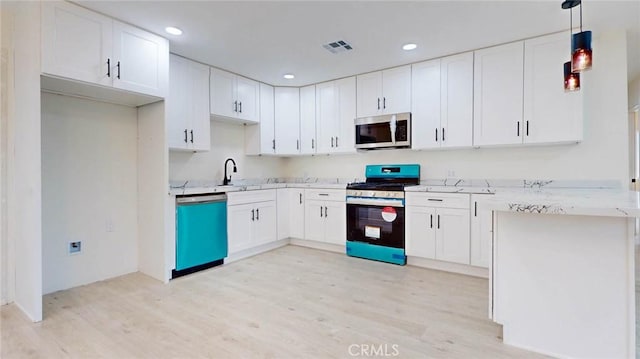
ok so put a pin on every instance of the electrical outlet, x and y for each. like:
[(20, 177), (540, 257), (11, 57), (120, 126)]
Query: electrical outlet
[(75, 247)]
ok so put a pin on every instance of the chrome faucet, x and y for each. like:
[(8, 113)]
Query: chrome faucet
[(226, 180)]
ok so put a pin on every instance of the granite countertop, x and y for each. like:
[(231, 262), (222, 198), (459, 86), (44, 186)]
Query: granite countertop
[(569, 201), (212, 188)]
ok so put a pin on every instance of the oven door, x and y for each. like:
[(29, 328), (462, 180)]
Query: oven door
[(376, 221)]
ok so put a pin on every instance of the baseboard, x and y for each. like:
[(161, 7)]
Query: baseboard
[(250, 252), (448, 267), (337, 248)]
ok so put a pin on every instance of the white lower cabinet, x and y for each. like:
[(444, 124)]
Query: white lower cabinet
[(296, 213), (481, 234), (325, 216), (437, 226), (251, 219)]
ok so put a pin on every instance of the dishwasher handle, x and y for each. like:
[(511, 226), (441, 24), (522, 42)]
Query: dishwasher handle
[(201, 199)]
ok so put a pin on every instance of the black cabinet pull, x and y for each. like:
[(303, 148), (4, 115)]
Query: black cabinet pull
[(336, 141), (235, 106), (274, 144), (438, 221), (313, 143), (475, 208), (384, 102), (191, 136), (108, 67), (240, 106), (436, 135), (297, 144), (431, 216), (185, 135), (443, 134), (253, 214), (326, 214), (257, 214), (378, 103), (118, 66), (434, 199), (527, 128), (331, 142), (518, 131), (320, 211), (300, 197)]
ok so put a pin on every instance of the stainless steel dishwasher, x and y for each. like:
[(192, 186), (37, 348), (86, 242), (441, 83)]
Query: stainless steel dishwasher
[(201, 232)]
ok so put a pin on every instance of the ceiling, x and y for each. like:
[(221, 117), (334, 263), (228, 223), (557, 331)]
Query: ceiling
[(264, 40)]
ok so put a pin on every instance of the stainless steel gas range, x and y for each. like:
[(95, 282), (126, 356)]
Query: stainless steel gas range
[(376, 213)]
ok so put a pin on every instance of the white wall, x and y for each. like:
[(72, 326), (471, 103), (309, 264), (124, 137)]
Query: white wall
[(603, 155), (89, 181), (227, 140), (634, 91)]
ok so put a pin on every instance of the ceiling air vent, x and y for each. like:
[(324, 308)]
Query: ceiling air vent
[(338, 46)]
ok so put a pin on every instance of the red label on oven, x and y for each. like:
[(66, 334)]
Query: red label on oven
[(389, 214)]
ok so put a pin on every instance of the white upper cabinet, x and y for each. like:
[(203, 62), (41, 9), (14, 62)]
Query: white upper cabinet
[(259, 138), (442, 102), (308, 120), (384, 92), (550, 114), (498, 100), (287, 120), (187, 106), (82, 45), (234, 97), (335, 115)]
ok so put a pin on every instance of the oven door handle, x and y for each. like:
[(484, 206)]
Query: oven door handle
[(376, 202)]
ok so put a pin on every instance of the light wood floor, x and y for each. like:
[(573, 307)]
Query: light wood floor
[(292, 302)]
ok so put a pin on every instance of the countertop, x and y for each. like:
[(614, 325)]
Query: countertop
[(174, 191)]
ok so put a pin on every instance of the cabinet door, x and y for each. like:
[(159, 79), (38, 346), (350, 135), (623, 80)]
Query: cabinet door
[(335, 217), (481, 236), (457, 100), (248, 96), (296, 213), (369, 99), (283, 203), (177, 106), (308, 120), (420, 224), (452, 235), (198, 92), (550, 114), (345, 136), (314, 223), (498, 95), (142, 60), (222, 93), (326, 116), (240, 226), (425, 105), (265, 227), (396, 90), (76, 43), (259, 139), (287, 120)]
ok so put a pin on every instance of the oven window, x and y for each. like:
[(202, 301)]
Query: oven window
[(378, 225)]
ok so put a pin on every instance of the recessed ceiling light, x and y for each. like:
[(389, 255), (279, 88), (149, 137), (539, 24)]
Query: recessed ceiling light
[(289, 76), (173, 30), (408, 47)]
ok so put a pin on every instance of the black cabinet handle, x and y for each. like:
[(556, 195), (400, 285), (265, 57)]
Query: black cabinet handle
[(438, 221), (326, 214), (108, 67), (253, 214), (118, 66), (436, 135), (378, 103), (257, 214), (336, 141), (185, 135), (331, 142), (274, 144), (240, 106), (434, 199), (320, 211), (297, 144), (431, 216), (518, 129), (313, 143), (300, 197), (475, 208), (191, 136), (527, 128), (235, 106), (443, 134), (384, 102)]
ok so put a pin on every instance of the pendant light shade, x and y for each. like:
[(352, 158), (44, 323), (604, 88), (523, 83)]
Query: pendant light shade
[(571, 79), (581, 52)]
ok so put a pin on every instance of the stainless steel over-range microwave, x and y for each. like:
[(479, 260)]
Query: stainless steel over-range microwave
[(386, 131)]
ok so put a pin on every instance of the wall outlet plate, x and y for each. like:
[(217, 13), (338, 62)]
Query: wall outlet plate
[(75, 247)]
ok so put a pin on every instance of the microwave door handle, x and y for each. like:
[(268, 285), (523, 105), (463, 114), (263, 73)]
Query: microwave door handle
[(392, 128)]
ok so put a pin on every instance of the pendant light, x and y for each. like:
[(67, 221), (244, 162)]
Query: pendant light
[(581, 51), (571, 78)]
